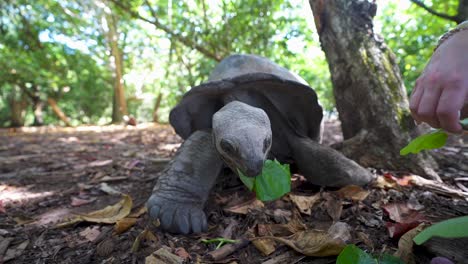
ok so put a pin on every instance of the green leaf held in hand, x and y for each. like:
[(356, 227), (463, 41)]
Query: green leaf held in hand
[(432, 140), (451, 228), (274, 182)]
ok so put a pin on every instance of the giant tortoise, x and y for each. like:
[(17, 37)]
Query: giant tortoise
[(249, 110)]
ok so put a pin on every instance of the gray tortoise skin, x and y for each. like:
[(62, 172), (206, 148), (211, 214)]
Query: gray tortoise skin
[(249, 110)]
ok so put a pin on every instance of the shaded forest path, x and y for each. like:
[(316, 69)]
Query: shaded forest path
[(48, 175)]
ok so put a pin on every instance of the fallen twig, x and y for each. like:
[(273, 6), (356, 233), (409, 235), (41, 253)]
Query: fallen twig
[(227, 250)]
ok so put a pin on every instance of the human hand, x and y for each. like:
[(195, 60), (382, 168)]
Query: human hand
[(440, 97)]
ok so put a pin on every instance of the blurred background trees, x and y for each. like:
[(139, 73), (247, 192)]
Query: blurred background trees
[(92, 62)]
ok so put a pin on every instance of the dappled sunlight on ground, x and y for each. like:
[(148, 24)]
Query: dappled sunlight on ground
[(11, 194)]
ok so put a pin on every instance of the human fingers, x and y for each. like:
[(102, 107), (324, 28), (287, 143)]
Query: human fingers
[(416, 98), (428, 105), (450, 104)]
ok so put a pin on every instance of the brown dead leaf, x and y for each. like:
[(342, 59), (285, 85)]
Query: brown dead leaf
[(311, 243), (334, 206), (2, 207), (244, 207), (140, 212), (265, 246), (105, 247), (146, 236), (352, 192), (108, 215), (75, 201), (94, 164), (181, 252), (90, 233), (163, 255), (405, 245), (383, 182), (23, 220), (340, 230), (124, 224), (108, 189), (304, 203), (366, 240)]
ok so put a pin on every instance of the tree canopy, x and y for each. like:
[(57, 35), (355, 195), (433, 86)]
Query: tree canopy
[(70, 56)]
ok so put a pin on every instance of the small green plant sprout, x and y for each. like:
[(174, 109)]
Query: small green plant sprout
[(221, 241), (451, 228), (351, 254), (432, 140), (272, 183)]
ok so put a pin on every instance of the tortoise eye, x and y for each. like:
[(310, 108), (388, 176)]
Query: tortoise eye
[(266, 144), (227, 146)]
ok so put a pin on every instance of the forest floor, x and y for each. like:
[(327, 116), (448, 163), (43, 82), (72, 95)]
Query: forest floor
[(49, 176)]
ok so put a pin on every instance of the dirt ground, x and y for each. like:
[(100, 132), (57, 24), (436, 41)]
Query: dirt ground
[(49, 176)]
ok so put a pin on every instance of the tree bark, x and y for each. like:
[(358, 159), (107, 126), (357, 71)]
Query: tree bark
[(462, 11), (120, 105), (156, 108), (58, 112), (369, 92), (17, 108)]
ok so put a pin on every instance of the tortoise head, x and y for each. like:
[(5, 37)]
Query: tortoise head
[(242, 135)]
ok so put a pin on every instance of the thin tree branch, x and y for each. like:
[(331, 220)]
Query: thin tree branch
[(184, 40), (432, 11)]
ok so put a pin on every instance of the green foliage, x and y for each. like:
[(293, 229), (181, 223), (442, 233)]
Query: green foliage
[(351, 254), (412, 33), (60, 50), (451, 228), (273, 183), (433, 140)]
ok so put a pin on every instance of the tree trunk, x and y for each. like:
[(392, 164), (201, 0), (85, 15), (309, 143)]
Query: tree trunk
[(58, 112), (156, 107), (369, 92), (17, 108), (462, 10), (120, 105), (37, 105)]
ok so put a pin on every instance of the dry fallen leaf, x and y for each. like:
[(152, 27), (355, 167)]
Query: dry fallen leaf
[(145, 236), (334, 206), (2, 207), (181, 252), (90, 233), (304, 203), (108, 215), (23, 220), (124, 224), (312, 243), (265, 246), (244, 207), (140, 212), (405, 245), (75, 201), (163, 255), (352, 192), (107, 189), (365, 239)]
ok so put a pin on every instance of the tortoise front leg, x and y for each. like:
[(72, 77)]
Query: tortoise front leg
[(325, 166), (182, 188)]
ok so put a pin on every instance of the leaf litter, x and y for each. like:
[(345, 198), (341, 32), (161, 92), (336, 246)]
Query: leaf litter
[(86, 173)]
